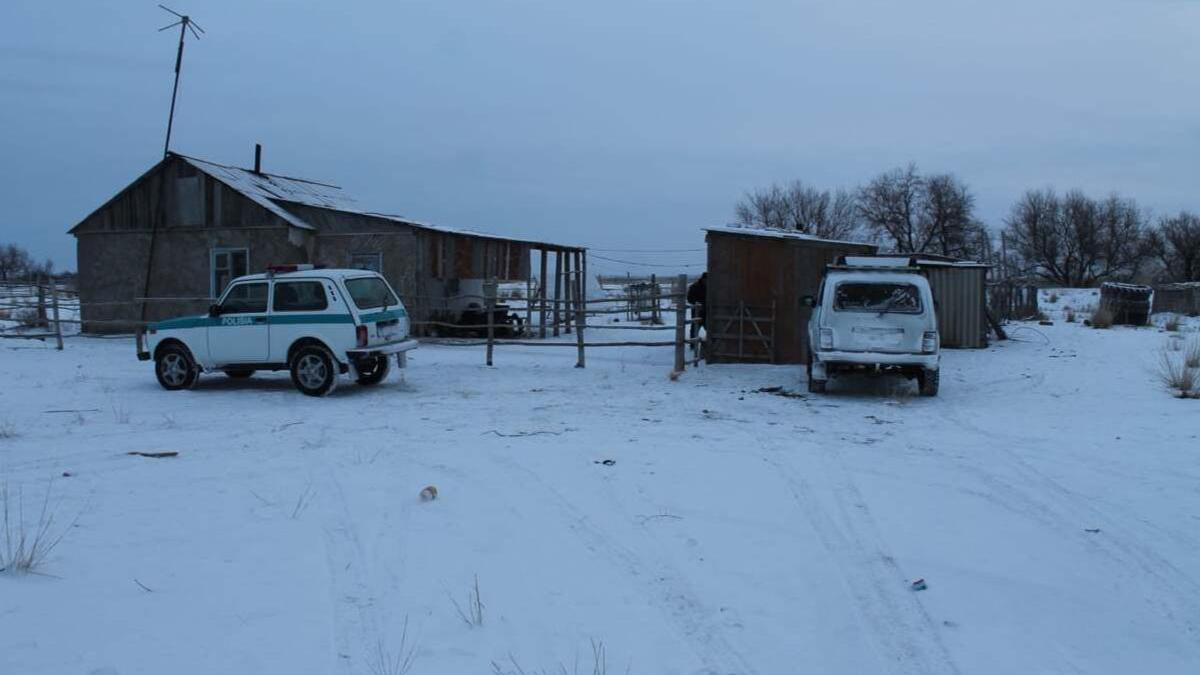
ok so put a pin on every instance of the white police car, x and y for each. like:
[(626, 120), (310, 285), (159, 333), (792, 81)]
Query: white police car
[(316, 323)]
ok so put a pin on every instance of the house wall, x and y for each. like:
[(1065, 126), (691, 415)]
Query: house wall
[(185, 214), (771, 276)]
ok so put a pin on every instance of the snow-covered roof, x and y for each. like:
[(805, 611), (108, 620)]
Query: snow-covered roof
[(780, 234), (269, 190)]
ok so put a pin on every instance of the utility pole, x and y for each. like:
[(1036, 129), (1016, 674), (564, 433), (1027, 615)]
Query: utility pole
[(185, 24)]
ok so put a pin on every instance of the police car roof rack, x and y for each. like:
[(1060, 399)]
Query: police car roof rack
[(272, 270)]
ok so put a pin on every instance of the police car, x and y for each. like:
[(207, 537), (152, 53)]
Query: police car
[(316, 323)]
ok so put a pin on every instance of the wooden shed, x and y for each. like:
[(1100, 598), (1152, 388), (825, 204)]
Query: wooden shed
[(756, 282), (1181, 298)]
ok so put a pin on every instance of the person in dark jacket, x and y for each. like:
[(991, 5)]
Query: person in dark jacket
[(697, 297)]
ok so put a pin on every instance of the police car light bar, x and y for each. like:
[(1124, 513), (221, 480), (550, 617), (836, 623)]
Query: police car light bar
[(284, 269)]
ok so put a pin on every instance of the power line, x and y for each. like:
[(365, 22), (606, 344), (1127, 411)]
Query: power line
[(642, 264), (649, 250)]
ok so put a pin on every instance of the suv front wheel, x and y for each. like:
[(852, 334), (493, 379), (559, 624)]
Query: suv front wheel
[(174, 367), (314, 372)]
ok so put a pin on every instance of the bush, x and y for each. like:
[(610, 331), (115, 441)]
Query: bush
[(1102, 318), (1174, 372), (1172, 323), (1053, 298), (1070, 315), (25, 546)]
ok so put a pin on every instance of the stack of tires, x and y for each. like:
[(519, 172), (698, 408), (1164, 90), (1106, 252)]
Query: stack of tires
[(1128, 304)]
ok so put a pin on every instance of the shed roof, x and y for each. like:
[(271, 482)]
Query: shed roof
[(782, 234)]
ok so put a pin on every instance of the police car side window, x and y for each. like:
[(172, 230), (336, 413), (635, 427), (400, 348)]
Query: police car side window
[(246, 299), (299, 296)]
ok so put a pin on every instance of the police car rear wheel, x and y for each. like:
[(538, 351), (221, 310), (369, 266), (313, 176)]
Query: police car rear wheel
[(175, 368), (313, 371), (374, 370)]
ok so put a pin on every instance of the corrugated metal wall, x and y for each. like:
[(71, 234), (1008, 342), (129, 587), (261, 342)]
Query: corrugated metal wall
[(960, 292)]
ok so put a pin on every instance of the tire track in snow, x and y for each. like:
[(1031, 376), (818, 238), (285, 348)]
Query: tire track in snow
[(904, 634), (1047, 501), (660, 580), (355, 620)]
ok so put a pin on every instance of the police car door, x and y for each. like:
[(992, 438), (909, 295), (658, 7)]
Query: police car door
[(239, 333)]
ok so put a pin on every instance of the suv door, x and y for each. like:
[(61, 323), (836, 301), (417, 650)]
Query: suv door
[(239, 333), (306, 308)]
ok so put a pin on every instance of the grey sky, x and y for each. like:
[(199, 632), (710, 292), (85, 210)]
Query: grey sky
[(620, 124)]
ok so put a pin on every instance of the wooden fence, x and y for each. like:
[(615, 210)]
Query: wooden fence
[(570, 314), (36, 309)]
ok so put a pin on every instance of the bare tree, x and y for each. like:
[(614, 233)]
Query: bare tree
[(14, 262), (1176, 244), (924, 214), (890, 206), (800, 208), (1075, 240)]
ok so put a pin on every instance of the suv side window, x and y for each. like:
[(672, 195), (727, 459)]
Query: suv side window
[(247, 298), (299, 296)]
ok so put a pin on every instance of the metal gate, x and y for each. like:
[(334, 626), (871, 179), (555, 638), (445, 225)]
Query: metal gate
[(741, 333)]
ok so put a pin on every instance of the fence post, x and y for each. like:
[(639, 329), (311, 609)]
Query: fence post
[(580, 322), (41, 302), (680, 317), (654, 300), (568, 295), (57, 323), (490, 307), (558, 273), (528, 305), (542, 299)]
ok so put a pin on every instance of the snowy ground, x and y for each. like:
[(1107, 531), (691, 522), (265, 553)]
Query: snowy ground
[(1048, 496)]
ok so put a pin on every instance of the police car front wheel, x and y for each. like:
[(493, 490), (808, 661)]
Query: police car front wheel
[(174, 367), (314, 371)]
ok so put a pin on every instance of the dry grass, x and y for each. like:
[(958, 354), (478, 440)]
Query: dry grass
[(8, 430), (1175, 373), (385, 661), (1191, 354), (598, 666), (472, 615), (1102, 318), (1070, 315), (1172, 323), (25, 546)]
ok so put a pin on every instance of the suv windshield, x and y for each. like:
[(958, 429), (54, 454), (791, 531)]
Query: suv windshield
[(877, 297), (368, 292)]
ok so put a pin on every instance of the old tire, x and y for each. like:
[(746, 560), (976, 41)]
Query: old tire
[(374, 370), (927, 382), (240, 373), (175, 369), (314, 372)]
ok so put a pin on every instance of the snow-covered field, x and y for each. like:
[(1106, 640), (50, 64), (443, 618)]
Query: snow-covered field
[(1049, 497)]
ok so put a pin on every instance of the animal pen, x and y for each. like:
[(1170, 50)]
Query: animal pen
[(37, 310), (569, 312)]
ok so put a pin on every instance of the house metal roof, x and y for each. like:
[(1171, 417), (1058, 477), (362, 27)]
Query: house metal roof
[(274, 192)]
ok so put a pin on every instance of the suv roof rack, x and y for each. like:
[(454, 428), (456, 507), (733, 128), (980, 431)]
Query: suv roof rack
[(272, 270)]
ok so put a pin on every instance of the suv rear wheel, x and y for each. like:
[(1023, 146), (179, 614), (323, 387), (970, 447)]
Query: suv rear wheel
[(174, 367), (373, 370), (314, 371), (927, 382), (814, 386)]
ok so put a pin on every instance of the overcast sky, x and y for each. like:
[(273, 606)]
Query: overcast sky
[(617, 124)]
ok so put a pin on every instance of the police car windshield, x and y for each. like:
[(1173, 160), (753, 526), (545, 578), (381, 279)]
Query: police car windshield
[(369, 292)]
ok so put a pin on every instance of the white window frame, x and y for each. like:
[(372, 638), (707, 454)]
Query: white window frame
[(212, 266)]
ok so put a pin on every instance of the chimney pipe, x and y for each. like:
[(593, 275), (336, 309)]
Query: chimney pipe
[(258, 158)]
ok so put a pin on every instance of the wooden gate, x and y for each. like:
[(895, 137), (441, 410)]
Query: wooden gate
[(741, 333)]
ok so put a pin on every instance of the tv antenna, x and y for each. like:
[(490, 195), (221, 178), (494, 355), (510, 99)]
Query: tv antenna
[(185, 24)]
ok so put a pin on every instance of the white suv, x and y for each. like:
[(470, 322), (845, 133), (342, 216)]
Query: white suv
[(317, 323), (874, 315)]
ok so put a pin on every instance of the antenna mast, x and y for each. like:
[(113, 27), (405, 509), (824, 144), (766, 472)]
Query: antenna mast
[(185, 24)]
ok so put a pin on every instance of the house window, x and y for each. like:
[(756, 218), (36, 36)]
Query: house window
[(367, 261), (227, 264)]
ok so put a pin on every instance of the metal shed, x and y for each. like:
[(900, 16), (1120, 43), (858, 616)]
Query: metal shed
[(960, 292), (756, 281)]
